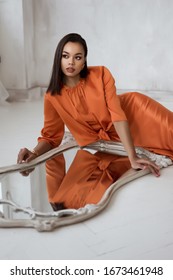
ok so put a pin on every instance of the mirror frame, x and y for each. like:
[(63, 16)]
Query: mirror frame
[(51, 220)]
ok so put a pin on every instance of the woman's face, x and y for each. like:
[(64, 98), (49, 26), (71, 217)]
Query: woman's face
[(73, 60)]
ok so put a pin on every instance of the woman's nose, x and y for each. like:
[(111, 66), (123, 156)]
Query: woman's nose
[(71, 61)]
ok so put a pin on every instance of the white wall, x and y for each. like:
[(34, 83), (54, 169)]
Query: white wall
[(29, 43), (12, 67), (133, 38)]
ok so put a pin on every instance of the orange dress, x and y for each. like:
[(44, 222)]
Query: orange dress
[(86, 180), (90, 108)]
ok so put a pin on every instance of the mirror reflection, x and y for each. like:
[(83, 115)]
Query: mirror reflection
[(86, 180), (69, 180)]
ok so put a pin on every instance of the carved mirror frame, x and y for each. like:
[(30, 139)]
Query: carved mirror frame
[(48, 221)]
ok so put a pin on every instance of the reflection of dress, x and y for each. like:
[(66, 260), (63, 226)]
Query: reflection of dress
[(90, 108), (87, 179)]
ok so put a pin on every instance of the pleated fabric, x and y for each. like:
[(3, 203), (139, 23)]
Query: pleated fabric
[(86, 180)]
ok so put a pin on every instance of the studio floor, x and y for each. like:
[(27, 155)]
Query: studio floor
[(137, 223)]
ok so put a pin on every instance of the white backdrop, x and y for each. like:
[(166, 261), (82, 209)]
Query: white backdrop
[(134, 38)]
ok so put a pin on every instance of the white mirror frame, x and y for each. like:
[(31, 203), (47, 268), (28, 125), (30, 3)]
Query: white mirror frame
[(49, 221)]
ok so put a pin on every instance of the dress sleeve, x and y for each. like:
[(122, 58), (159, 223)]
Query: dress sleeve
[(112, 100), (53, 129)]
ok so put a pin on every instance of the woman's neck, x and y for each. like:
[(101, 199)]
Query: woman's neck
[(71, 81)]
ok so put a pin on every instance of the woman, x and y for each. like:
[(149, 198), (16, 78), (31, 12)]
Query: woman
[(84, 99)]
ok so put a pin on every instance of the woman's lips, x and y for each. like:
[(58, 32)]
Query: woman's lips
[(70, 70)]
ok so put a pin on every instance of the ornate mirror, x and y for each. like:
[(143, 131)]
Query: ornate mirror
[(66, 185)]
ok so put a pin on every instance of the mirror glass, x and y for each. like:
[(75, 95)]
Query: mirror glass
[(69, 180)]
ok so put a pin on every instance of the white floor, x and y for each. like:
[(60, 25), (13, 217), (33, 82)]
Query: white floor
[(137, 224)]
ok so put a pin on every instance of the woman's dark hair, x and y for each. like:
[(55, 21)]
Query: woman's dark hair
[(56, 79)]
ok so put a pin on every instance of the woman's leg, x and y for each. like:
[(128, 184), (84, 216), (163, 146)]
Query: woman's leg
[(151, 124)]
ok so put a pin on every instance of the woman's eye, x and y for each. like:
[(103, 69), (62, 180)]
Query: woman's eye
[(65, 56), (78, 57)]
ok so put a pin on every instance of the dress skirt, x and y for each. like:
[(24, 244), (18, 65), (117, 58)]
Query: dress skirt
[(151, 124)]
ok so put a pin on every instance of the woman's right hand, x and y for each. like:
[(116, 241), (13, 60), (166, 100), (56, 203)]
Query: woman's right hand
[(25, 155)]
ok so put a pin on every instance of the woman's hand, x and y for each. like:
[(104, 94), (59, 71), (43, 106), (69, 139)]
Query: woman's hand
[(142, 163), (25, 155), (122, 128)]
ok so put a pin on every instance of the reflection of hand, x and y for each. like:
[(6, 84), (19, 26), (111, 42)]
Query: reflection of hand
[(25, 155), (26, 172), (141, 163)]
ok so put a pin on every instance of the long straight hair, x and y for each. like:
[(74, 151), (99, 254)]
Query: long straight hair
[(56, 80)]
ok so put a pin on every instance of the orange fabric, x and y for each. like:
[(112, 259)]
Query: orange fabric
[(151, 124), (86, 180), (87, 109), (55, 172), (90, 108)]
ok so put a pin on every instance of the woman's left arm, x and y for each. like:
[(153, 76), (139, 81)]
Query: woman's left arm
[(123, 131), (121, 124)]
